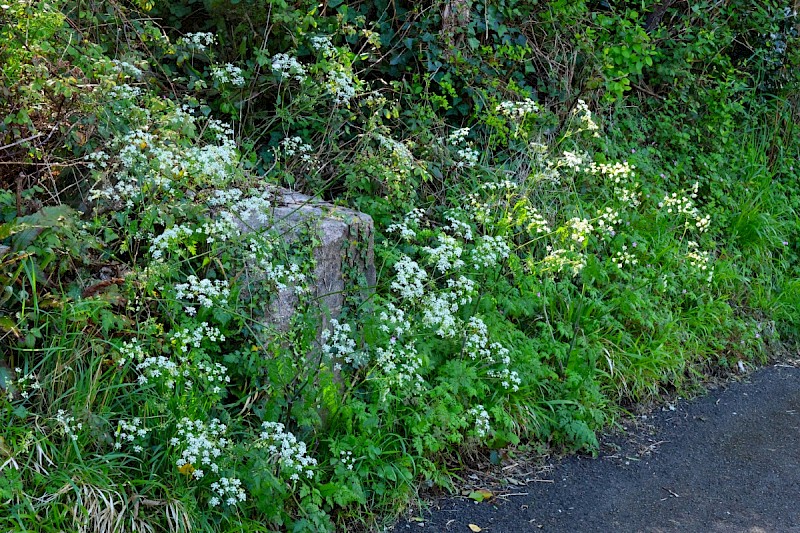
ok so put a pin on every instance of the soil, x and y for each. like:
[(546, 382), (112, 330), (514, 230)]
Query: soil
[(725, 462)]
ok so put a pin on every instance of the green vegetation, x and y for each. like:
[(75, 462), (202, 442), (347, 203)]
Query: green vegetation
[(578, 207)]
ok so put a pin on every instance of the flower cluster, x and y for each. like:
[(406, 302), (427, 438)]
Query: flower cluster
[(490, 251), (215, 375), (252, 210), (410, 279), (467, 157), (459, 136), (463, 289), (700, 260), (122, 95), (228, 73), (205, 291), (130, 351), (224, 197), (517, 109), (616, 173), (130, 433), (407, 229), (573, 160), (579, 230), (439, 310), (393, 320), (228, 491), (476, 344), (23, 385), (100, 157), (322, 44), (446, 256), (458, 228), (157, 367), (536, 222), (478, 347), (197, 41), (201, 446), (559, 260), (481, 416), (346, 459), (628, 196), (684, 205), (607, 221), (400, 366), (127, 69), (290, 453), (286, 66), (398, 150), (295, 146), (283, 276), (585, 116), (184, 339), (338, 345), (169, 238), (509, 379), (341, 85), (162, 155), (624, 257), (68, 426)]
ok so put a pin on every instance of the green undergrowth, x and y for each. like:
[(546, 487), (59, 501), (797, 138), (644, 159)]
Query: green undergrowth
[(565, 228)]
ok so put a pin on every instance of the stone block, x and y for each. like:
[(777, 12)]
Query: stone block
[(344, 255)]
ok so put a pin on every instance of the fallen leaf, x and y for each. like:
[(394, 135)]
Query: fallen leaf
[(480, 495), (474, 528)]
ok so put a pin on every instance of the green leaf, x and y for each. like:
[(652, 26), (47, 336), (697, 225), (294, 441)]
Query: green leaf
[(480, 495), (32, 225)]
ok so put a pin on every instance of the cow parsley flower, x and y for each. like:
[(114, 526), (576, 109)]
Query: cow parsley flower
[(228, 73), (481, 416), (287, 66), (337, 344), (227, 491), (446, 256), (400, 366), (323, 44), (439, 310), (408, 228), (129, 432), (205, 292), (197, 41), (201, 445), (410, 280), (68, 426), (580, 229), (393, 320), (517, 109), (186, 338), (289, 452), (490, 251), (624, 257), (341, 85), (459, 136)]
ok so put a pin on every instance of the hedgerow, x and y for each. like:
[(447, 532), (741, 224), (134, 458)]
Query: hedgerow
[(578, 208)]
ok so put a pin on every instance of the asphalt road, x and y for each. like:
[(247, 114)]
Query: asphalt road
[(725, 462)]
